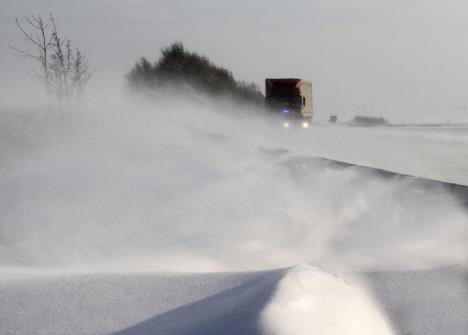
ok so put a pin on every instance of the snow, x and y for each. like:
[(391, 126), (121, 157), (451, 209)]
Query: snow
[(134, 303), (431, 152), (308, 299), (432, 301), (128, 218)]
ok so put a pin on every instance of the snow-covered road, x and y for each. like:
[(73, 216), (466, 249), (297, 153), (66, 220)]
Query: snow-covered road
[(131, 220)]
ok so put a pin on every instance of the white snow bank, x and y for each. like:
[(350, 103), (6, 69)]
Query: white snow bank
[(302, 300), (306, 300), (309, 301)]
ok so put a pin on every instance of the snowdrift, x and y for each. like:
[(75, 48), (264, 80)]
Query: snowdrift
[(274, 302)]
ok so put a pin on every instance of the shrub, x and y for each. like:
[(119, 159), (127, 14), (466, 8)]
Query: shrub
[(177, 66)]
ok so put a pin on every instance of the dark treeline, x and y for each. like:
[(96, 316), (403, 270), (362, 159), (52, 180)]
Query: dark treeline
[(177, 66)]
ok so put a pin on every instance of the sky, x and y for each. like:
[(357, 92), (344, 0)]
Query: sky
[(404, 60)]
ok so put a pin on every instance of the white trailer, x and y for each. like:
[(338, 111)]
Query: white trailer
[(305, 88)]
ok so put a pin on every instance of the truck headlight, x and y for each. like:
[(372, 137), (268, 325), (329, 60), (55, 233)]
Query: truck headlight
[(305, 124), (286, 124)]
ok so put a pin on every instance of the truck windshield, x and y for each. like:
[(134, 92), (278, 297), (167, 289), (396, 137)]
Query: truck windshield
[(291, 101)]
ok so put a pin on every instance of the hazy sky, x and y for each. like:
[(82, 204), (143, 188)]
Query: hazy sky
[(406, 60)]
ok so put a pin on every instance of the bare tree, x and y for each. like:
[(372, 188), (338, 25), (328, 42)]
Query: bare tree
[(64, 69), (80, 73), (38, 34)]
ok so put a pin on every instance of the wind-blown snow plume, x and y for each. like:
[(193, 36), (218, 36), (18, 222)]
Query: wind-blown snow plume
[(179, 185)]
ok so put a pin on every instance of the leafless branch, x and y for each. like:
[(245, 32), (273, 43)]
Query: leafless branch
[(36, 25), (22, 53), (28, 36)]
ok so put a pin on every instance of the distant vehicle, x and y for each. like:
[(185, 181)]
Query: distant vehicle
[(368, 121), (333, 119), (292, 99)]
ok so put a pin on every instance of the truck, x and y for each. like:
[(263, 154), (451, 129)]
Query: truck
[(291, 98)]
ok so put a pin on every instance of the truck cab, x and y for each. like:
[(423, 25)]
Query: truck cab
[(291, 98)]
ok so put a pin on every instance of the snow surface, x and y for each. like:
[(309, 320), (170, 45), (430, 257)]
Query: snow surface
[(192, 217), (432, 152)]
